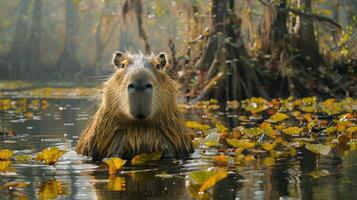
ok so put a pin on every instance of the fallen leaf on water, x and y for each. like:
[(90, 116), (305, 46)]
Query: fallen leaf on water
[(292, 130), (114, 164), (143, 158), (277, 117), (196, 125), (116, 183), (207, 178), (319, 149), (233, 104), (212, 138), (245, 144), (252, 132), (220, 160), (268, 129), (49, 156), (267, 146), (319, 173), (5, 154), (352, 129)]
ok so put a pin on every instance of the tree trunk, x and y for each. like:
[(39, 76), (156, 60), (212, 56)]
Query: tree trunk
[(68, 65), (15, 62), (33, 45), (105, 30), (307, 44), (231, 75)]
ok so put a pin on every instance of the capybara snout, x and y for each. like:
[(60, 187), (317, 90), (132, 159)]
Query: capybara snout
[(140, 92)]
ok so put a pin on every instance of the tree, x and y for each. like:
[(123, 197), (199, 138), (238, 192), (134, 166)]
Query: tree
[(15, 64), (231, 74), (33, 57), (67, 63)]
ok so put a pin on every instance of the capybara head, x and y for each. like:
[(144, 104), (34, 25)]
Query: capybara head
[(140, 88)]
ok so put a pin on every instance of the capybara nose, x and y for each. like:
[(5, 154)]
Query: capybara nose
[(140, 85)]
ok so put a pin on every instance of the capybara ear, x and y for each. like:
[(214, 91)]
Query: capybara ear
[(163, 60), (119, 60)]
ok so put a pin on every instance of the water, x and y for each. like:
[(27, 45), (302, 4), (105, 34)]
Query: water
[(75, 177)]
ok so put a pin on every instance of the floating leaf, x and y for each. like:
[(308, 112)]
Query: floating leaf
[(256, 131), (114, 164), (233, 104), (212, 139), (277, 117), (50, 155), (116, 183), (220, 160), (244, 144), (196, 125), (292, 130), (352, 129), (268, 129), (5, 154), (207, 178), (267, 146), (144, 158), (319, 149)]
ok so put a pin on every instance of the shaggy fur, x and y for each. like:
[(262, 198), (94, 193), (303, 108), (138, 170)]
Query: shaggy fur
[(113, 132)]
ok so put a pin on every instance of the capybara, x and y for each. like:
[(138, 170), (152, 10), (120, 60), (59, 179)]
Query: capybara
[(138, 112)]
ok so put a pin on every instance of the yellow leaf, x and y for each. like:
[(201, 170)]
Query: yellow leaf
[(144, 158), (267, 146), (233, 104), (256, 131), (221, 128), (196, 125), (319, 149), (50, 155), (277, 117), (292, 130), (114, 164), (352, 129), (212, 138), (255, 105), (244, 144), (220, 160), (268, 129), (207, 178), (5, 154)]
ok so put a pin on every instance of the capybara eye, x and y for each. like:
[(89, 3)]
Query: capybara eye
[(158, 66), (131, 87), (148, 86), (122, 65)]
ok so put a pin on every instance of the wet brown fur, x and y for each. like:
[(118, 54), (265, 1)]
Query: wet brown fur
[(111, 132)]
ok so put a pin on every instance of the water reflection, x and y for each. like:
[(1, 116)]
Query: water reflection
[(40, 124)]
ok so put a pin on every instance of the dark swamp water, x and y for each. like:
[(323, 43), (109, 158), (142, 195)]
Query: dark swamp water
[(60, 123)]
